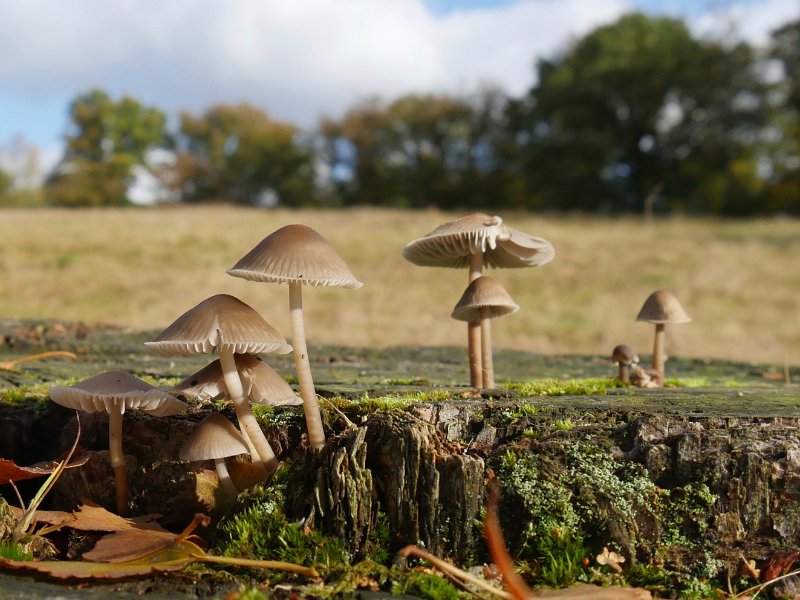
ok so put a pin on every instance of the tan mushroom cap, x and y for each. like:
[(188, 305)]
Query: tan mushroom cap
[(625, 354), (214, 437), (484, 292), (119, 390), (662, 307), (295, 253), (220, 320), (451, 244), (260, 382)]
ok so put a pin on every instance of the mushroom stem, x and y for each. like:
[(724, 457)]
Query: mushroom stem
[(658, 350), (316, 433), (474, 348), (623, 373), (261, 453), (117, 457), (225, 478), (486, 349), (474, 328)]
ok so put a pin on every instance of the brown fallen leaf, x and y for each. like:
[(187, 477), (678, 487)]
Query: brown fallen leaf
[(10, 471), (155, 552), (91, 517), (67, 570)]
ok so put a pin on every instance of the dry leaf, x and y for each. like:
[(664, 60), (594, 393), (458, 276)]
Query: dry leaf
[(10, 471), (88, 570)]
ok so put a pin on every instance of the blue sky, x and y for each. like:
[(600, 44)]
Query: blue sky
[(300, 59)]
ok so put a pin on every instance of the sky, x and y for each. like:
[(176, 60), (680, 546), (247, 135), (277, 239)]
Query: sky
[(299, 59)]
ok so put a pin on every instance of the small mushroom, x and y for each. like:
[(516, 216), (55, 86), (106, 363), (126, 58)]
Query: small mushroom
[(483, 300), (661, 308), (114, 392), (624, 355), (298, 255), (261, 384), (215, 438), (229, 326), (474, 241)]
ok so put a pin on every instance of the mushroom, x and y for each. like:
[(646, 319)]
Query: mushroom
[(114, 392), (474, 241), (483, 300), (624, 355), (215, 438), (261, 384), (297, 255), (661, 308), (227, 325)]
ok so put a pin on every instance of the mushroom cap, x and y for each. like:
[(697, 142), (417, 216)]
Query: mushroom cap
[(451, 244), (261, 383), (662, 307), (214, 437), (295, 253), (625, 354), (484, 292), (220, 320), (116, 389)]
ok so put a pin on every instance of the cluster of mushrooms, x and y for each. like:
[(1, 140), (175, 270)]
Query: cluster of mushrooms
[(661, 308), (297, 255)]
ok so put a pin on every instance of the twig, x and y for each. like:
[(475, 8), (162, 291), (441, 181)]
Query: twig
[(454, 571), (762, 586), (348, 422), (10, 365)]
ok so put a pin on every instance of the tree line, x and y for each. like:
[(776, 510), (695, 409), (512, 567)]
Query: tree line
[(639, 115)]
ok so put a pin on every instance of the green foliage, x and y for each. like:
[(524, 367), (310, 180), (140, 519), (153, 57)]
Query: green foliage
[(107, 140), (684, 512), (240, 154), (597, 128), (425, 585)]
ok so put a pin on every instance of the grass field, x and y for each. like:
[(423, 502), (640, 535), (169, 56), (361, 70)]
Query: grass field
[(141, 268)]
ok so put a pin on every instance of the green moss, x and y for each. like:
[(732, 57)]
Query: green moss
[(25, 395), (426, 585), (683, 512), (405, 381), (571, 387), (14, 552), (263, 531)]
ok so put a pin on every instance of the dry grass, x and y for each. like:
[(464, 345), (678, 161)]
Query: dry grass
[(739, 280)]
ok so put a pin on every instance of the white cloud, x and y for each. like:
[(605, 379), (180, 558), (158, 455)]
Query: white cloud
[(752, 22), (295, 58)]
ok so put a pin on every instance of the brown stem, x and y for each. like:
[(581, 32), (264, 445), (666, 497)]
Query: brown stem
[(276, 565), (658, 350), (486, 349), (474, 347), (316, 433), (512, 581), (116, 455), (623, 373), (474, 328), (263, 458)]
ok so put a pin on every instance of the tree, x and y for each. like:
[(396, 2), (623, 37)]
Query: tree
[(784, 148), (107, 139), (419, 150), (637, 108), (239, 153)]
